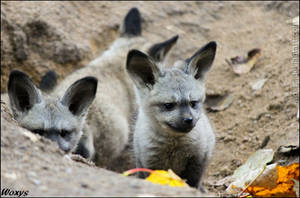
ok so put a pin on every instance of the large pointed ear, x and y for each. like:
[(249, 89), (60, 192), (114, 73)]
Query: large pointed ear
[(159, 51), (132, 24), (22, 92), (142, 69), (202, 60), (80, 95)]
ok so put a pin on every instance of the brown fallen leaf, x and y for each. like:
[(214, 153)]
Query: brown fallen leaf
[(242, 65), (217, 102), (285, 183)]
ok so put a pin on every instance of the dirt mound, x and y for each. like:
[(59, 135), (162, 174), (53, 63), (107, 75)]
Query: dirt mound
[(39, 36), (35, 164)]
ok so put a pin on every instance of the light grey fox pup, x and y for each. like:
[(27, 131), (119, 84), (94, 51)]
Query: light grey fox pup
[(57, 117), (109, 121), (172, 130)]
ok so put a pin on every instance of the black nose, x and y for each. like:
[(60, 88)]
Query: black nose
[(188, 120)]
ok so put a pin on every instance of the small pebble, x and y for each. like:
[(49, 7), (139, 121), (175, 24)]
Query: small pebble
[(83, 185), (43, 188), (246, 139), (31, 174), (12, 176), (68, 170), (35, 181)]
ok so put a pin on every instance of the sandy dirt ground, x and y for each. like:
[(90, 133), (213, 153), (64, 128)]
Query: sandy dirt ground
[(73, 33)]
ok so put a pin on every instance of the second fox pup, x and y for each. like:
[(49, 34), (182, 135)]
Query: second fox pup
[(172, 130), (57, 117)]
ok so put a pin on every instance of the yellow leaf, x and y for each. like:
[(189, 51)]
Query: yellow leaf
[(163, 177)]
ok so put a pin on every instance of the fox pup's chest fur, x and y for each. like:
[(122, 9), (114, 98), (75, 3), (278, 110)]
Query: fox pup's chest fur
[(170, 153)]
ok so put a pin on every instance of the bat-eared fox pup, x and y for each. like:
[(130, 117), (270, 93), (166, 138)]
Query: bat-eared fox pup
[(172, 130), (59, 118)]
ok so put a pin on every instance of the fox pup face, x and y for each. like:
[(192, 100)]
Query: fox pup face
[(176, 101), (58, 119), (172, 98)]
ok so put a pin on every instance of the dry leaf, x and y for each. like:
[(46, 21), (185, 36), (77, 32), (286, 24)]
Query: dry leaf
[(253, 167), (285, 183), (242, 65), (218, 102), (296, 187)]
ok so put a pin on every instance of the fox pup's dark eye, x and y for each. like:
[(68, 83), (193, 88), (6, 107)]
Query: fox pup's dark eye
[(39, 131), (169, 106), (194, 104), (64, 133)]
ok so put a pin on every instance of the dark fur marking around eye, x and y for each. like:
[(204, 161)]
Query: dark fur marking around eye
[(169, 106), (39, 131), (64, 133), (194, 104)]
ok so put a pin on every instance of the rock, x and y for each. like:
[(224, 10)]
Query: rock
[(19, 40), (257, 85), (31, 136), (11, 176), (264, 142), (35, 181), (286, 155)]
